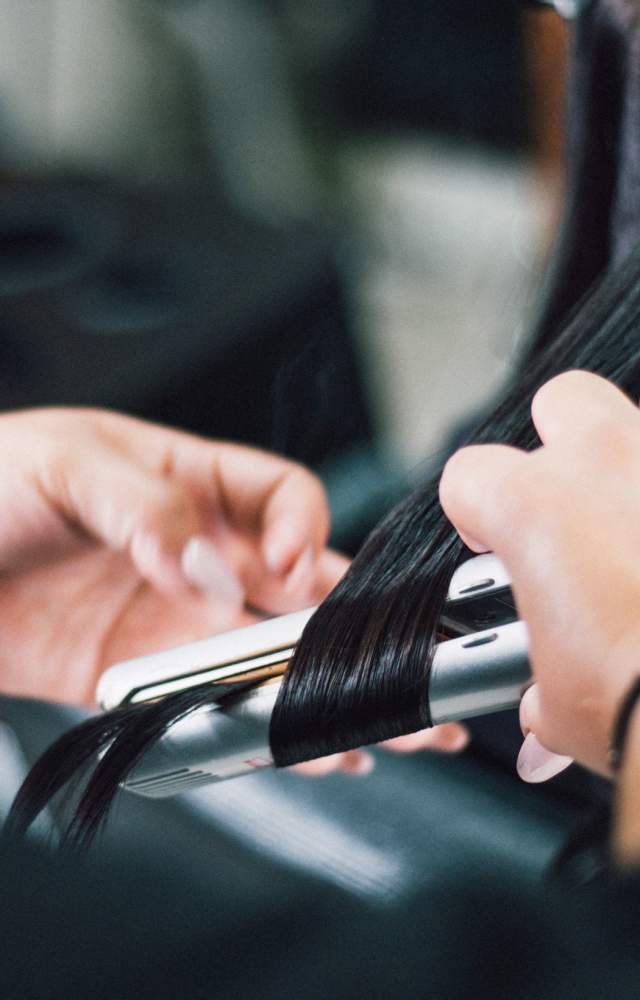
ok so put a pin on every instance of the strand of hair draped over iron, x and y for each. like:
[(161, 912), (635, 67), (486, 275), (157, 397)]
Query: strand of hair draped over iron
[(360, 673)]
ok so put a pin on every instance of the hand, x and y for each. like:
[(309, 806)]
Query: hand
[(118, 538), (565, 521)]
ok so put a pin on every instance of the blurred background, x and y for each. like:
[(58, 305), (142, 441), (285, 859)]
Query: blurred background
[(359, 195), (312, 225)]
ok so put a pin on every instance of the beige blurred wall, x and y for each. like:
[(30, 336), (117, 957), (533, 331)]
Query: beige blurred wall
[(95, 84), (138, 88)]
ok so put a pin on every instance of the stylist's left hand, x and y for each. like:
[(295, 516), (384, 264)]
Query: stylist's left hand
[(118, 537)]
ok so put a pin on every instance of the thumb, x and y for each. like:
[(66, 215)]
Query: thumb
[(131, 509), (535, 763)]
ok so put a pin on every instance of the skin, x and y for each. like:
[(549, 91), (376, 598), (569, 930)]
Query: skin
[(97, 509), (564, 519), (626, 833)]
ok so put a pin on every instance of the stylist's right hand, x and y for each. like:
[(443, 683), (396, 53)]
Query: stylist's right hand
[(565, 519)]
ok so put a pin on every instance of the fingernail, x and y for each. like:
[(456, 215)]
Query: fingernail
[(537, 764), (301, 575), (205, 569)]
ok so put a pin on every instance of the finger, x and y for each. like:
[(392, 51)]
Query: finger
[(100, 490), (535, 763), (330, 567), (351, 762), (256, 491), (310, 580), (358, 762), (529, 711), (573, 403), (477, 492), (275, 595), (295, 521), (448, 738), (281, 502)]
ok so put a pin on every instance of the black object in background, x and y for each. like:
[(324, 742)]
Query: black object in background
[(71, 930), (453, 66), (168, 305)]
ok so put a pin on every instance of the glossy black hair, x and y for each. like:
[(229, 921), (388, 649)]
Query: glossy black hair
[(360, 673)]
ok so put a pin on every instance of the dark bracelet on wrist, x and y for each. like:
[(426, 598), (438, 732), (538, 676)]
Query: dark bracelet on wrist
[(621, 727)]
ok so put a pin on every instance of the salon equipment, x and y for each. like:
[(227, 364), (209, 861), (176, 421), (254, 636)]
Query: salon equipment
[(473, 673), (569, 9), (448, 67)]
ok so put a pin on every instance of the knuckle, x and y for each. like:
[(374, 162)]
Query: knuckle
[(54, 420), (58, 465), (61, 464)]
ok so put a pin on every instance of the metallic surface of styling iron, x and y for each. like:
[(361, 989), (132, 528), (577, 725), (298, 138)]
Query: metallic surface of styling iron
[(481, 667)]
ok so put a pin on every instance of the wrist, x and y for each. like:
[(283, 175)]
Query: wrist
[(622, 725), (619, 679), (626, 830)]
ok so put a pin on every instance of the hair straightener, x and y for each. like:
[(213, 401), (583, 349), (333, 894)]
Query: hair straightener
[(482, 667)]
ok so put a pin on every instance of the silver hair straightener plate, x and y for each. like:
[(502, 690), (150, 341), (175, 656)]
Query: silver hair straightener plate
[(483, 668)]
